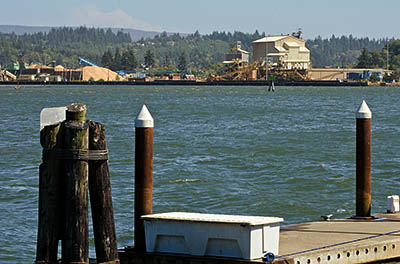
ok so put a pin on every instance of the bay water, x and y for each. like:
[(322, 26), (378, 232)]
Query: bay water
[(217, 149)]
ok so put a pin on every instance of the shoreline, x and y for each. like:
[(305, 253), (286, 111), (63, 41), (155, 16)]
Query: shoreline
[(194, 83)]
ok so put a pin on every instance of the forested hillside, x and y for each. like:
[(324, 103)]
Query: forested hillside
[(389, 55), (197, 51), (118, 51), (135, 34), (63, 45), (340, 51)]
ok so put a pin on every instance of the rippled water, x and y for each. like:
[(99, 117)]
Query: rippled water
[(231, 150)]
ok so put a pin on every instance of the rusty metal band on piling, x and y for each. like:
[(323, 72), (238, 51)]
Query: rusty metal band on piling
[(363, 161), (143, 174)]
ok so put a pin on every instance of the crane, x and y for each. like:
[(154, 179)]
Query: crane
[(87, 62)]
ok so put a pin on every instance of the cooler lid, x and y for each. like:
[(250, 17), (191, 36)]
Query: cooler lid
[(214, 218)]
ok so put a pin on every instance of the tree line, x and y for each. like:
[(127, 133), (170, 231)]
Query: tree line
[(387, 57), (117, 51), (203, 51), (63, 45), (340, 51)]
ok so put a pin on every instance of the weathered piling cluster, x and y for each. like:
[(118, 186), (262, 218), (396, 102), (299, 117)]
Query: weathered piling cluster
[(75, 160)]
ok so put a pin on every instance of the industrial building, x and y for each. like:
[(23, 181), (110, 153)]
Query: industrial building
[(287, 56), (42, 73), (341, 74), (286, 51), (236, 54)]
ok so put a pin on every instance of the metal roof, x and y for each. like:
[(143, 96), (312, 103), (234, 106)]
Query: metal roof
[(243, 51), (270, 39), (304, 49), (275, 38), (276, 54), (280, 49), (292, 44)]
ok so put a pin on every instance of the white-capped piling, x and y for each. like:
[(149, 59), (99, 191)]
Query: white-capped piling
[(144, 125), (363, 160)]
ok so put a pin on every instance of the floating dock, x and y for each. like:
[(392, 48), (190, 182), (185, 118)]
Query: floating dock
[(335, 241), (341, 241)]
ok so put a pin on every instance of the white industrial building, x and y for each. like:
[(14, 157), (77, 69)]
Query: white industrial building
[(288, 51)]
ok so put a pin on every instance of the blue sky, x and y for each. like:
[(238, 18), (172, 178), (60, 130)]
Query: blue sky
[(374, 19)]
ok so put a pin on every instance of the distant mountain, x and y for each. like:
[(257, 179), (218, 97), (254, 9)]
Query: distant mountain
[(20, 30), (135, 34)]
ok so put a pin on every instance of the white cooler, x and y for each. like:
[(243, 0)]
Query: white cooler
[(236, 236)]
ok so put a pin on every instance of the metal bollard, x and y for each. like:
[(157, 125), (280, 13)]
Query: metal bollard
[(363, 161), (143, 174)]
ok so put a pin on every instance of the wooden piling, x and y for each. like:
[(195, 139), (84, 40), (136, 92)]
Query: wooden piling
[(50, 196), (75, 243), (363, 161), (143, 174), (76, 112), (101, 199)]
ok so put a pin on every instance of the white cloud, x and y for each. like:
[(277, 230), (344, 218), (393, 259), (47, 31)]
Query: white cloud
[(89, 15)]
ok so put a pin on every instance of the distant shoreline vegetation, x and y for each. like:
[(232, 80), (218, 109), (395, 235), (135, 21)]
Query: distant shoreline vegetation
[(117, 50)]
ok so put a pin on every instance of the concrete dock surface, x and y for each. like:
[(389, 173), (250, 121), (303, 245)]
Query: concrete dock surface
[(333, 241), (341, 241)]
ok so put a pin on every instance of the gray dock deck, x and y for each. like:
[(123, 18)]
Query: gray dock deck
[(341, 241)]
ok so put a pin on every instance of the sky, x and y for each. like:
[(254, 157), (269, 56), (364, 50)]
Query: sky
[(373, 19)]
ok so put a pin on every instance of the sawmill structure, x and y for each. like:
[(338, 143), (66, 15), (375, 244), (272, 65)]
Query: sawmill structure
[(284, 57), (7, 76)]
